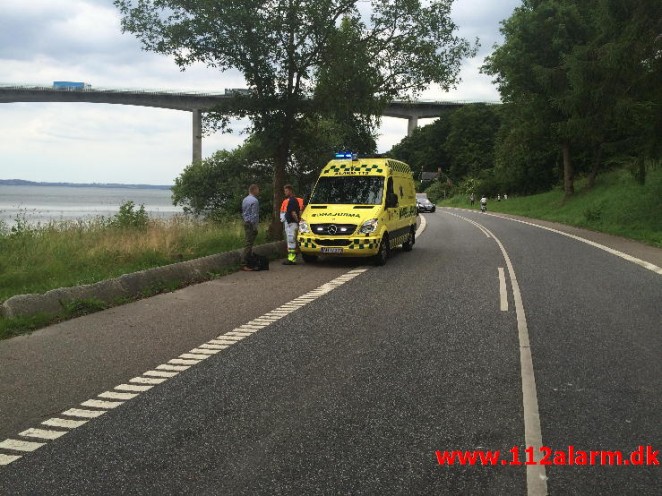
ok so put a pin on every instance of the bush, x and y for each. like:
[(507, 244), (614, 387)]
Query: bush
[(437, 191), (129, 217), (593, 214)]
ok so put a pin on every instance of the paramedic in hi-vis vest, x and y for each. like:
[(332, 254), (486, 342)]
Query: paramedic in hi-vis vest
[(290, 214)]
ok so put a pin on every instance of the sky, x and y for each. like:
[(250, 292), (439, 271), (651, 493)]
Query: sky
[(42, 41)]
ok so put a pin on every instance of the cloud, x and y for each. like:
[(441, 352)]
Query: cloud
[(481, 19), (73, 30), (81, 40)]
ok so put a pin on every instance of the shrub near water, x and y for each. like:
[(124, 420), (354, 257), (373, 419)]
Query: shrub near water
[(61, 254)]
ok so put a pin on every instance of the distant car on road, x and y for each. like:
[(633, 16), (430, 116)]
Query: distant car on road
[(423, 204)]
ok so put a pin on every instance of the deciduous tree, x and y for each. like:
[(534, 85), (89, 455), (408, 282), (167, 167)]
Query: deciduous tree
[(280, 46), (470, 143)]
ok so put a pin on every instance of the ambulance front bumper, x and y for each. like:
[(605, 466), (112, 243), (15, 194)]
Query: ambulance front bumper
[(351, 246)]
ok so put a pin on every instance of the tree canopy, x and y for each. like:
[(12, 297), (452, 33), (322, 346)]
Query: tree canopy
[(580, 85), (460, 143), (286, 48), (581, 74)]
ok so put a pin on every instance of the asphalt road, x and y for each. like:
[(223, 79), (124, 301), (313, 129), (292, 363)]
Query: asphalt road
[(354, 388)]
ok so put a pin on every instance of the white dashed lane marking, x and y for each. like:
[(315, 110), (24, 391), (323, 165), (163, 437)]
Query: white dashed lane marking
[(147, 380), (13, 444), (64, 423), (106, 405), (173, 368), (502, 290), (218, 347), (77, 412), (112, 395), (7, 459), (42, 434), (161, 373), (190, 358), (133, 387)]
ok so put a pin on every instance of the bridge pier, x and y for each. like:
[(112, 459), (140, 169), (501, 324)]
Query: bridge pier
[(197, 135), (412, 123)]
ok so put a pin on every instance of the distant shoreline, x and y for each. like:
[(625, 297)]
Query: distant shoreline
[(21, 182)]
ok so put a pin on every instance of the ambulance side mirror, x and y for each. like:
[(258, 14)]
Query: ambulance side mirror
[(391, 200)]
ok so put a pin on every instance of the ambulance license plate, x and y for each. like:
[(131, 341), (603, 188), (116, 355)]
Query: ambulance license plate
[(332, 250)]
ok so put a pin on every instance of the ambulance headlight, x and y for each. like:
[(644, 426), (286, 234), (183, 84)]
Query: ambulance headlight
[(369, 226), (303, 227)]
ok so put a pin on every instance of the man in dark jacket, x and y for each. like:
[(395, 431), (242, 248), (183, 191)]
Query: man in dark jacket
[(292, 217)]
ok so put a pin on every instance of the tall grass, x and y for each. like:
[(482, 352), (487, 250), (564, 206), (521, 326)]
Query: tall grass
[(617, 204), (60, 254)]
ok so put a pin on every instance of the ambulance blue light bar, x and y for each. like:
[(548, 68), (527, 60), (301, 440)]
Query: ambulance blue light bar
[(349, 155)]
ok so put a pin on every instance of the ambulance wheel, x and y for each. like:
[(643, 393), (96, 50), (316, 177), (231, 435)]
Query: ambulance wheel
[(383, 253), (309, 258), (409, 244)]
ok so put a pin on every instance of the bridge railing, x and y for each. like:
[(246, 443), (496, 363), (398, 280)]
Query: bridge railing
[(184, 93), (101, 89)]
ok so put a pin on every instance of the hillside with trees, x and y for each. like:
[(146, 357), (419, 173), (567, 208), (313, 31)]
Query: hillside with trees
[(581, 93)]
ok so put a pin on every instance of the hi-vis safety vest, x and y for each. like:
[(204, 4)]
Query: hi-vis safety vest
[(283, 206)]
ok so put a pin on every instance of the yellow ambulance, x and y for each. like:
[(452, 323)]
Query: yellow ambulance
[(360, 207)]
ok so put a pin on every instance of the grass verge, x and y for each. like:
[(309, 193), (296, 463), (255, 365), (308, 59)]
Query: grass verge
[(617, 204), (36, 259), (15, 326)]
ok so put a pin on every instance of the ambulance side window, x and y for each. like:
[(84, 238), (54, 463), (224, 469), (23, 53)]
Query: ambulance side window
[(391, 197)]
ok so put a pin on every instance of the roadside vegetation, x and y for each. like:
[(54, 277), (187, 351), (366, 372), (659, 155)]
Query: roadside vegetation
[(577, 137), (580, 92), (578, 130), (35, 259), (617, 204)]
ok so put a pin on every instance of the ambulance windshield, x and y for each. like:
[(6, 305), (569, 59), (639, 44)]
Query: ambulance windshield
[(349, 190)]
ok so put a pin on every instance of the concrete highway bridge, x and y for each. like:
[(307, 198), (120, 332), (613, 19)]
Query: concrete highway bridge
[(196, 103)]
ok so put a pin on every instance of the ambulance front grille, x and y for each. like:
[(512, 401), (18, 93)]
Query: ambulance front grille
[(333, 242)]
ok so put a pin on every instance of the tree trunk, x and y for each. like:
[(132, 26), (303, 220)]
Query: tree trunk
[(568, 172), (597, 158), (275, 231)]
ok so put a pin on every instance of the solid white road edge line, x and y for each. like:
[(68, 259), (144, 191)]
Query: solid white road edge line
[(625, 256), (484, 231), (421, 228), (536, 476)]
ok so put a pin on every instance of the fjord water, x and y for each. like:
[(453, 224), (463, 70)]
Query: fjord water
[(42, 204)]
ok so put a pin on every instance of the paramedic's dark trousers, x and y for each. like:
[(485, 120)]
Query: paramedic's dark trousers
[(250, 232)]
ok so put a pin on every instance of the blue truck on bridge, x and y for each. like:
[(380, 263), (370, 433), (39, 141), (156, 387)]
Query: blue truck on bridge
[(71, 86)]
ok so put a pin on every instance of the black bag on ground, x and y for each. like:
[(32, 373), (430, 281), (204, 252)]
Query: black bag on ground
[(258, 262)]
